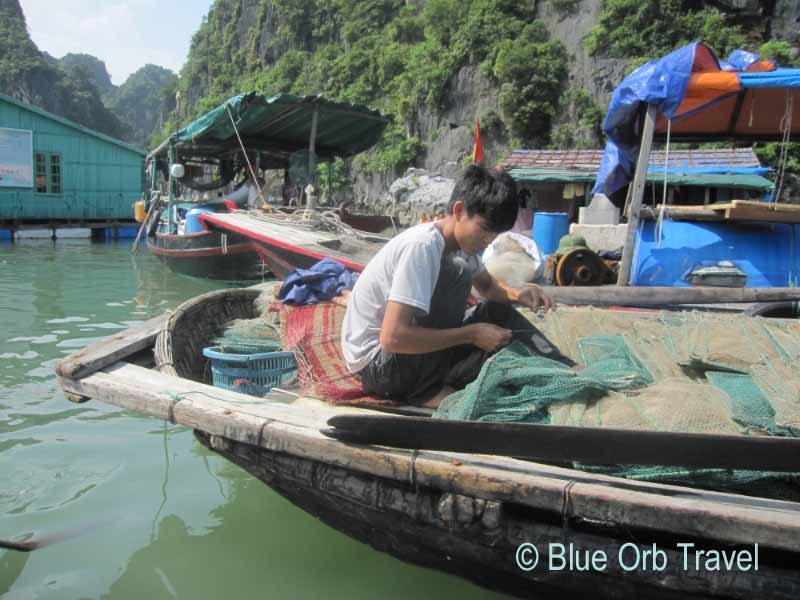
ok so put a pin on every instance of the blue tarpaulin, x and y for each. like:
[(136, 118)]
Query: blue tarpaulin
[(711, 85)]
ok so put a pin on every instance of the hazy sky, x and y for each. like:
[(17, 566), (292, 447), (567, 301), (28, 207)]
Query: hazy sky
[(125, 35)]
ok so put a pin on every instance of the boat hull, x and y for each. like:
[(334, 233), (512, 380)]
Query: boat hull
[(207, 255), (282, 259), (478, 538)]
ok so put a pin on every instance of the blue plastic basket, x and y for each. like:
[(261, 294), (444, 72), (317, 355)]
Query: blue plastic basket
[(254, 374)]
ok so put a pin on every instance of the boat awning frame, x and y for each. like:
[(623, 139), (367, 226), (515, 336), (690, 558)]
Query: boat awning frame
[(278, 126)]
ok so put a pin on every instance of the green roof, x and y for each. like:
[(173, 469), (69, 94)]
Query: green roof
[(280, 125), (716, 180), (72, 124)]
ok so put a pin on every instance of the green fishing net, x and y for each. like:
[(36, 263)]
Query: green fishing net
[(680, 372), (249, 336), (518, 385)]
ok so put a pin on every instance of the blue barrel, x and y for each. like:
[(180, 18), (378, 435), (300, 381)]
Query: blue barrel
[(193, 224), (548, 229)]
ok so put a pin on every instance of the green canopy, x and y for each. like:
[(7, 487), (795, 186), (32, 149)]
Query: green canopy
[(716, 180), (280, 125)]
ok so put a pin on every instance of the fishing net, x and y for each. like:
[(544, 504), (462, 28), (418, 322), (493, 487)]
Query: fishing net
[(695, 372), (517, 385), (249, 336)]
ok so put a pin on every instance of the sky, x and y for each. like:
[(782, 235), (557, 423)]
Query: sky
[(125, 35)]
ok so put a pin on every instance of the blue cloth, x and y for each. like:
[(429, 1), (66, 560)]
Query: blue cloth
[(322, 281)]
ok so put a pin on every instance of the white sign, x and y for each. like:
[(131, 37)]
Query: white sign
[(16, 158)]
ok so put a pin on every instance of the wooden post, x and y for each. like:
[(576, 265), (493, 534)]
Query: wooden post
[(312, 142), (639, 180), (171, 189)]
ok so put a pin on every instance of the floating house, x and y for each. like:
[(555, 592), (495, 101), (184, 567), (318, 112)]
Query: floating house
[(561, 180), (56, 175)]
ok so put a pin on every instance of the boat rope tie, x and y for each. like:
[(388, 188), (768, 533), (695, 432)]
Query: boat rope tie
[(412, 474), (786, 130), (660, 220), (171, 410), (246, 158), (566, 502)]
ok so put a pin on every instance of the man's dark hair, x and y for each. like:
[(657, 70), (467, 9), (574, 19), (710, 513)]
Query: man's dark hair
[(492, 194)]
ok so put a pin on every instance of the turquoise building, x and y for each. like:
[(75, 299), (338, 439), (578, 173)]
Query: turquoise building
[(55, 173)]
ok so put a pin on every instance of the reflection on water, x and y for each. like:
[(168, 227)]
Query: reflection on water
[(138, 507)]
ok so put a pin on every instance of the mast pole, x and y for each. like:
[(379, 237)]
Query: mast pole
[(639, 180)]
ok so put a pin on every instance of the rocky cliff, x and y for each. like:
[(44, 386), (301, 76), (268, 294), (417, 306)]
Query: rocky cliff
[(436, 65)]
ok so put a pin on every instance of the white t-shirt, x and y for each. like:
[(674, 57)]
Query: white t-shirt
[(405, 270)]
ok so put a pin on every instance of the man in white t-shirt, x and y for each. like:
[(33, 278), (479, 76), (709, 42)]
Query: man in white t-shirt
[(408, 333)]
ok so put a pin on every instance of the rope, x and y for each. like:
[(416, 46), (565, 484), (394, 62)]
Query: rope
[(246, 158), (327, 220), (786, 129), (664, 195)]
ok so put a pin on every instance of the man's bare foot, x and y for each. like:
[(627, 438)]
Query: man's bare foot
[(437, 399)]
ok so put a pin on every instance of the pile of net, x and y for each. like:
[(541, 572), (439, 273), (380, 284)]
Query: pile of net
[(680, 372), (249, 336)]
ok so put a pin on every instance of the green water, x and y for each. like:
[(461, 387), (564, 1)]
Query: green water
[(145, 511)]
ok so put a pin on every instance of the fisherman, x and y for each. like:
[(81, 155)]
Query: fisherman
[(408, 333)]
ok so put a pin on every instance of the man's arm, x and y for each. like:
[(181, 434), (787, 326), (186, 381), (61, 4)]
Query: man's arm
[(400, 336), (531, 295)]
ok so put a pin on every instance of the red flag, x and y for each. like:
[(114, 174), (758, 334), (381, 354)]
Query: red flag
[(477, 151)]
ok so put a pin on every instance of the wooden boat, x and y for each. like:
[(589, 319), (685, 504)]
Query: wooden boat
[(475, 516), (230, 256), (251, 133), (286, 245), (207, 255)]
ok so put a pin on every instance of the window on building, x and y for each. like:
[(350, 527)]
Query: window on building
[(48, 173), (55, 174), (41, 173)]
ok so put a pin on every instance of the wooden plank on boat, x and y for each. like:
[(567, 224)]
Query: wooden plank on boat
[(158, 394), (609, 295), (683, 213), (111, 349), (589, 445), (743, 210)]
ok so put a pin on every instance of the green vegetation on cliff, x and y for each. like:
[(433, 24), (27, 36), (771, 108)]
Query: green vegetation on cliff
[(408, 58), (651, 28), (388, 54), (26, 74), (142, 100)]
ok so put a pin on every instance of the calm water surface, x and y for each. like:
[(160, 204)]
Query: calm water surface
[(143, 509)]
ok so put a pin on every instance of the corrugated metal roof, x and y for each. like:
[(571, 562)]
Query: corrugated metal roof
[(72, 124), (589, 160), (737, 181)]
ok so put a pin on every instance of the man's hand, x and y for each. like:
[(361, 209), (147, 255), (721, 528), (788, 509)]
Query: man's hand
[(488, 337), (534, 298)]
